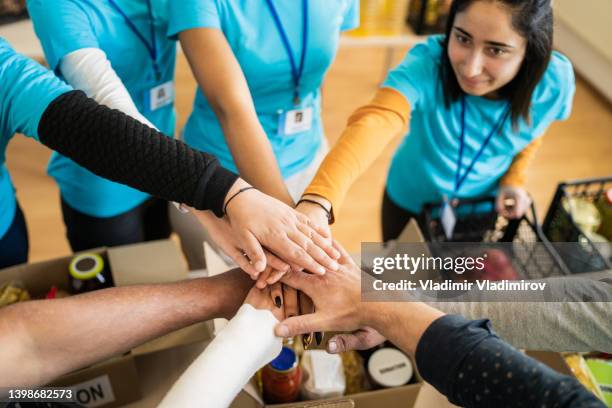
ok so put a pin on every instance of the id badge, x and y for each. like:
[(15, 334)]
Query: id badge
[(159, 96), (295, 121), (448, 218)]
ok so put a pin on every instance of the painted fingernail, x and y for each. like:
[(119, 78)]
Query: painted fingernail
[(332, 347), (307, 339), (277, 301), (318, 338)]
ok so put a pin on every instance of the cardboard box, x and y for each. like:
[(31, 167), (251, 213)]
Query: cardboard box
[(115, 382)]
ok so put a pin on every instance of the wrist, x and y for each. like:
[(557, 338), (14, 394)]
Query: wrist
[(319, 199)]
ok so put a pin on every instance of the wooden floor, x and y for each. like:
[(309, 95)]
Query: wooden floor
[(578, 148)]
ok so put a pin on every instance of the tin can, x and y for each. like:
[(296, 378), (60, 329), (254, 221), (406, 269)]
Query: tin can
[(282, 378)]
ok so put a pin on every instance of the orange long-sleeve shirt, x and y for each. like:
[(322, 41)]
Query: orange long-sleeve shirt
[(370, 128)]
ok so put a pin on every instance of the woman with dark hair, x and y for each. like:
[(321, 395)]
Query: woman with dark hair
[(479, 99)]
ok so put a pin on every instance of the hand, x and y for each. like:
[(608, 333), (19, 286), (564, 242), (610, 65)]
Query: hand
[(317, 216), (361, 339), (222, 234), (512, 202), (264, 299), (258, 219), (336, 296)]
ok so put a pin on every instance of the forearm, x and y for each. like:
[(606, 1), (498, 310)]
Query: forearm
[(516, 175), (89, 70), (403, 323), (254, 157), (578, 326), (369, 130), (230, 360), (222, 81), (48, 338), (118, 147), (469, 364)]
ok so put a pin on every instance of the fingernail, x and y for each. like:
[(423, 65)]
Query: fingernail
[(278, 302), (282, 331), (334, 266), (318, 338), (260, 266), (321, 270), (306, 340), (332, 347)]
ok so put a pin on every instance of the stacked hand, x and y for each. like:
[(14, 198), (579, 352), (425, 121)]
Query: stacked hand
[(512, 202), (260, 231)]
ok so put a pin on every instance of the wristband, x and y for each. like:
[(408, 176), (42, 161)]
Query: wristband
[(328, 213), (243, 189)]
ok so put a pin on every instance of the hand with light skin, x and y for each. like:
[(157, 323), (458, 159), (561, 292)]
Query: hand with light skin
[(315, 213), (221, 233), (260, 221), (337, 299), (512, 202)]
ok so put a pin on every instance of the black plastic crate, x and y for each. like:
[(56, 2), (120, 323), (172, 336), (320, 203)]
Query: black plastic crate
[(479, 222), (560, 225)]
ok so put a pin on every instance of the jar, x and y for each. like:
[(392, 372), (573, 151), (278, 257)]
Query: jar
[(88, 272), (282, 378)]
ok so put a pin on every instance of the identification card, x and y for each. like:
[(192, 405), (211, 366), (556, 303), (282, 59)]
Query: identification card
[(160, 96), (295, 121), (448, 218)]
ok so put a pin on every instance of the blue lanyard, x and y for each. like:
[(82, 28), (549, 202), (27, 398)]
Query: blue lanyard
[(151, 47), (296, 72), (458, 178)]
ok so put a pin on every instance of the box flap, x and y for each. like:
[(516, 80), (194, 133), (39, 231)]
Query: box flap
[(430, 397), (148, 262), (552, 359), (110, 384)]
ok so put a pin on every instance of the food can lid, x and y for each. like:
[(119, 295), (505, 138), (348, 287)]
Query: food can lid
[(390, 367)]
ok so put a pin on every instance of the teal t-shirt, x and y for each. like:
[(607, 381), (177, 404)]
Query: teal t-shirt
[(65, 26), (250, 31), (26, 91), (424, 166)]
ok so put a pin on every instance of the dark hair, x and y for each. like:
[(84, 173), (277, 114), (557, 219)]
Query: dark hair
[(532, 19)]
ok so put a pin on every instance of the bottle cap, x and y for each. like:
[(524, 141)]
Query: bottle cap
[(285, 361)]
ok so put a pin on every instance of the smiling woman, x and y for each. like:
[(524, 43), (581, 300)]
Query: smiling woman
[(477, 101)]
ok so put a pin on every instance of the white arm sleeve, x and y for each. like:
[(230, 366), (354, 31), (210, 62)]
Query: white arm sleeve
[(90, 71), (215, 378)]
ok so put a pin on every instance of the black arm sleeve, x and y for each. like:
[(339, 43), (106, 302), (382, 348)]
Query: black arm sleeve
[(115, 146), (467, 362)]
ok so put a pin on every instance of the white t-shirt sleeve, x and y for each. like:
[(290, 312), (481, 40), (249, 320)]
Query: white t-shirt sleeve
[(89, 70)]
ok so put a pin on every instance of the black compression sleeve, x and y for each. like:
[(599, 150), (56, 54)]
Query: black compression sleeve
[(115, 146)]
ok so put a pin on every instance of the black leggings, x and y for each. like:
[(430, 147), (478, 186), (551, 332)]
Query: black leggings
[(147, 222), (14, 244), (394, 218)]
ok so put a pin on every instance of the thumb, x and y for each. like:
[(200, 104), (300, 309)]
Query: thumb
[(296, 325), (344, 342)]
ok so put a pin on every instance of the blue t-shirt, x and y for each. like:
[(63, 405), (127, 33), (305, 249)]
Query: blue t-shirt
[(251, 32), (424, 166), (26, 91), (65, 26)]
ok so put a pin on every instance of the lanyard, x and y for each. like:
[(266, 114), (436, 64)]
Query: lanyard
[(458, 178), (296, 72), (151, 47)]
